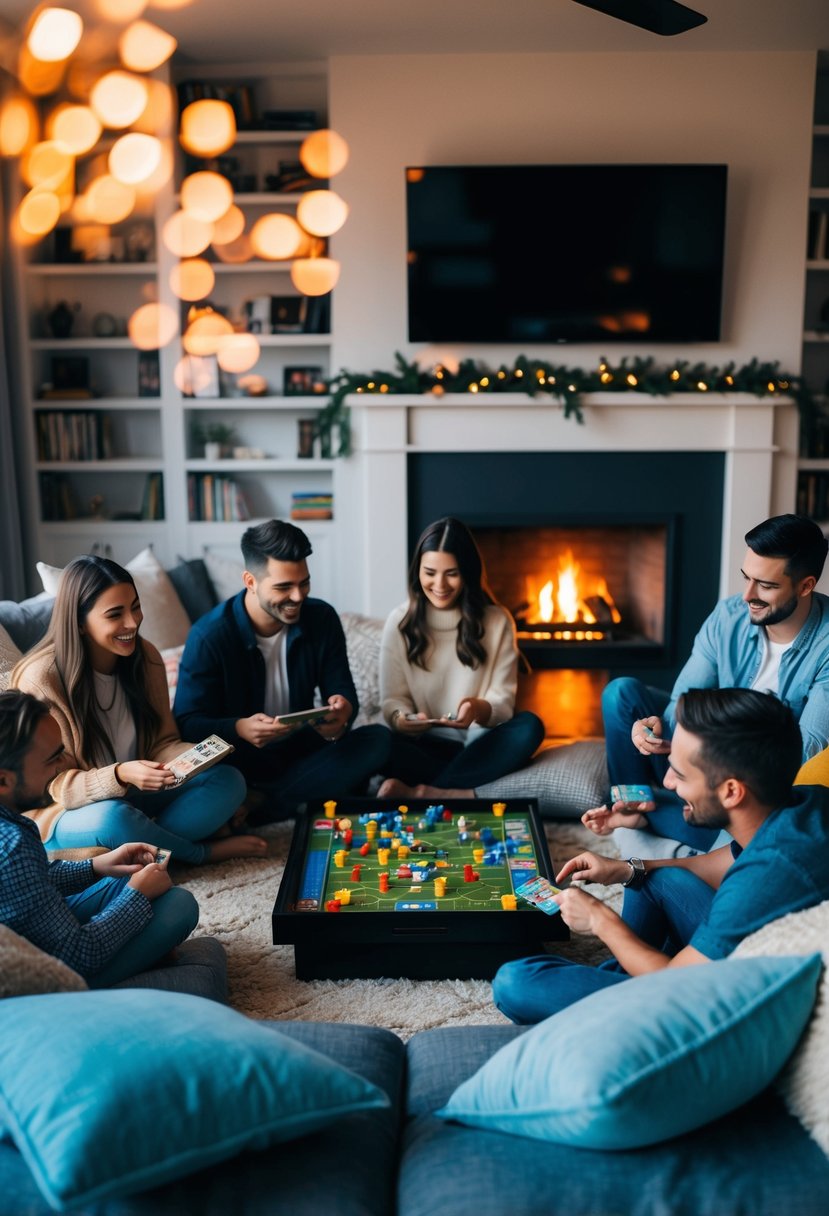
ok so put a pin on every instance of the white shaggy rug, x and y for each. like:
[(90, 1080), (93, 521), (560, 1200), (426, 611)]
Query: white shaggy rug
[(236, 900)]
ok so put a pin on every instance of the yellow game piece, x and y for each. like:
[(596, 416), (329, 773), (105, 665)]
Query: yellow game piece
[(477, 856), (330, 809), (402, 852), (440, 888), (383, 857), (498, 809), (404, 810), (396, 842), (509, 903), (343, 896), (339, 858)]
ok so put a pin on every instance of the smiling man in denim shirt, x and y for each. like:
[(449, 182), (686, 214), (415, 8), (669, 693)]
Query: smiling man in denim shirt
[(774, 638)]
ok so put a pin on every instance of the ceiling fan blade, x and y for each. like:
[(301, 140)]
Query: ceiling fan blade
[(659, 16)]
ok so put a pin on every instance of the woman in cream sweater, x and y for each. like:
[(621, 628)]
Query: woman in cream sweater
[(448, 676), (107, 690)]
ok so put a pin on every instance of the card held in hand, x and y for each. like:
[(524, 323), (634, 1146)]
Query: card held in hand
[(199, 757), (541, 894)]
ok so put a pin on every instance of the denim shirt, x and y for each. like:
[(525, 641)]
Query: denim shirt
[(728, 651)]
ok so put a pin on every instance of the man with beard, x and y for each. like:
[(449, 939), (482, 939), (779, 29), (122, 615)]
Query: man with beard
[(774, 637), (265, 653), (734, 755), (108, 917)]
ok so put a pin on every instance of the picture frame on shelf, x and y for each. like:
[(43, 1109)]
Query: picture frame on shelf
[(198, 376), (302, 381), (288, 314), (149, 374)]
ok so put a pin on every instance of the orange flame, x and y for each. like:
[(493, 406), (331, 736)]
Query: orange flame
[(563, 598)]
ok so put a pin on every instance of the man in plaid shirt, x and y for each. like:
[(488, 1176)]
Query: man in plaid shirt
[(108, 917)]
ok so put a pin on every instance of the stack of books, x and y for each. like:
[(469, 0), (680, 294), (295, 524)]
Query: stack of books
[(314, 505), (215, 499)]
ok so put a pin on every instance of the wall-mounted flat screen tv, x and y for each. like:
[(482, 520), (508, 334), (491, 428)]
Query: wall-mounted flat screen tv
[(565, 253)]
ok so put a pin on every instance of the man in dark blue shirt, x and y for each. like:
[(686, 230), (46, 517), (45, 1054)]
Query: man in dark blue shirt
[(108, 917), (269, 651), (734, 755)]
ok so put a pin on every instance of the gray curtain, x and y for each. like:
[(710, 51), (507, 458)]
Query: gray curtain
[(12, 569)]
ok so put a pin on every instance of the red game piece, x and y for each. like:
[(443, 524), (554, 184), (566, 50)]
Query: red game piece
[(447, 816), (364, 849), (468, 874), (348, 836), (355, 873), (332, 905)]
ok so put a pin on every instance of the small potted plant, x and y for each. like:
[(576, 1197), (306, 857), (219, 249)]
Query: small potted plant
[(216, 437)]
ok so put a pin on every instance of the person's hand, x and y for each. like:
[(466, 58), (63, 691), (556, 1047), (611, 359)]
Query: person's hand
[(589, 867), (417, 725), (337, 720), (260, 729), (151, 880), (602, 821), (145, 775), (472, 709), (646, 735), (126, 859), (580, 911)]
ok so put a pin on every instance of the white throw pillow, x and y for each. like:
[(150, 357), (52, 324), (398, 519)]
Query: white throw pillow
[(804, 1081), (9, 654), (166, 623)]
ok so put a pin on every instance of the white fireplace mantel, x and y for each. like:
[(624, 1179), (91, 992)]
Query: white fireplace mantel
[(758, 436)]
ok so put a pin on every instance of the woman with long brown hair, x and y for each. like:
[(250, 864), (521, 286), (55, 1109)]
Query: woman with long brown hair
[(107, 690), (449, 676)]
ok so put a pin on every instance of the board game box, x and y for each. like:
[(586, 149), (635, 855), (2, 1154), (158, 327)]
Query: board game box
[(374, 887)]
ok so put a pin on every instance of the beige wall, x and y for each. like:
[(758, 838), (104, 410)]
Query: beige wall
[(750, 111)]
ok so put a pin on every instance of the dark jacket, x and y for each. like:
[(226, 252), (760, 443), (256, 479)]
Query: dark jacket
[(222, 673)]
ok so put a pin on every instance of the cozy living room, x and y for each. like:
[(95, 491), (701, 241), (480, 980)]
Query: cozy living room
[(560, 272)]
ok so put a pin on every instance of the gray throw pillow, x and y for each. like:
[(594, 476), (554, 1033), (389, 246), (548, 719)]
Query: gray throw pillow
[(27, 971)]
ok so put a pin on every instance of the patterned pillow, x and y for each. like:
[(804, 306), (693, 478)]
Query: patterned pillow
[(172, 661), (566, 780), (362, 639), (9, 654)]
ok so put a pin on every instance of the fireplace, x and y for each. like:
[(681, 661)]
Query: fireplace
[(573, 586)]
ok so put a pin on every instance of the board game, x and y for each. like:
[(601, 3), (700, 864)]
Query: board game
[(373, 887)]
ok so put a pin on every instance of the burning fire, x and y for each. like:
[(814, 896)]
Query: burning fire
[(563, 600)]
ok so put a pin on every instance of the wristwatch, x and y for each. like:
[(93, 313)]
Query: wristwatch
[(637, 875)]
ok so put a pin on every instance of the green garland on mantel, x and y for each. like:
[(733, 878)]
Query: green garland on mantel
[(564, 384)]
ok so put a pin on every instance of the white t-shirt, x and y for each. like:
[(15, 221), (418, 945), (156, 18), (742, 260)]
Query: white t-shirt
[(274, 651), (115, 713), (768, 676)]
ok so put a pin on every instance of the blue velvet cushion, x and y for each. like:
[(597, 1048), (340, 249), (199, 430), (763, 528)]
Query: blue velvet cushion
[(124, 1090), (648, 1059)]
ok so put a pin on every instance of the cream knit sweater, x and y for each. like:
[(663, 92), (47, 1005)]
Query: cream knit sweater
[(440, 690)]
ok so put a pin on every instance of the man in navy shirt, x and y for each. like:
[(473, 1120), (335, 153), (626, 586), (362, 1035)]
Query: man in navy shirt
[(107, 918), (734, 755), (273, 650)]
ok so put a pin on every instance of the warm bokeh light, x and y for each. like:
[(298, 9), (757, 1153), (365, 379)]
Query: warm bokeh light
[(119, 98), (171, 4), (192, 376), (143, 47), (108, 201), (46, 164), (235, 252), (120, 11), (238, 353), (18, 126), (162, 174), (322, 212), (192, 279), (134, 158), (185, 236), (207, 196), (324, 153), (74, 126), (38, 213), (229, 226), (55, 34), (315, 276), (152, 326), (208, 127), (157, 116), (204, 335), (275, 236), (36, 77)]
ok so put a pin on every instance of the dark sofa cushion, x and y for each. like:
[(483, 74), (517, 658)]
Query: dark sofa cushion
[(754, 1162), (193, 587), (347, 1168), (199, 967), (27, 621)]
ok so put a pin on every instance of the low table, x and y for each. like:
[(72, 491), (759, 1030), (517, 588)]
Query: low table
[(332, 907)]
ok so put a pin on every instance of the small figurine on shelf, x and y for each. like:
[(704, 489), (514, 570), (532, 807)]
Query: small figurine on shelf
[(96, 507)]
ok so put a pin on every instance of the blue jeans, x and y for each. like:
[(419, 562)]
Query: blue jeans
[(432, 760), (311, 768), (625, 701), (175, 916), (664, 914), (177, 819)]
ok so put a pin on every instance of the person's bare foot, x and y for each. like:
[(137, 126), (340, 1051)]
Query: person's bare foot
[(392, 788), (237, 846), (602, 822)]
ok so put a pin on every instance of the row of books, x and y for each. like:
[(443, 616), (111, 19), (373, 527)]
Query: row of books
[(81, 435), (215, 498), (313, 505), (152, 503), (813, 495)]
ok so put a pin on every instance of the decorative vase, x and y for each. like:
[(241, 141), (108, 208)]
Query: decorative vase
[(61, 319), (212, 451)]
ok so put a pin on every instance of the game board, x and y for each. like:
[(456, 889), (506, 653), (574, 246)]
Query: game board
[(371, 889)]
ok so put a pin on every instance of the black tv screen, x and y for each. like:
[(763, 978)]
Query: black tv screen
[(565, 253)]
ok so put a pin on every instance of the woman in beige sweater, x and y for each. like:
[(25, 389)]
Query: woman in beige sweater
[(448, 676), (107, 690)]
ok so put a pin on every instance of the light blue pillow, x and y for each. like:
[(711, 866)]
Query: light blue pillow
[(106, 1093), (648, 1059)]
